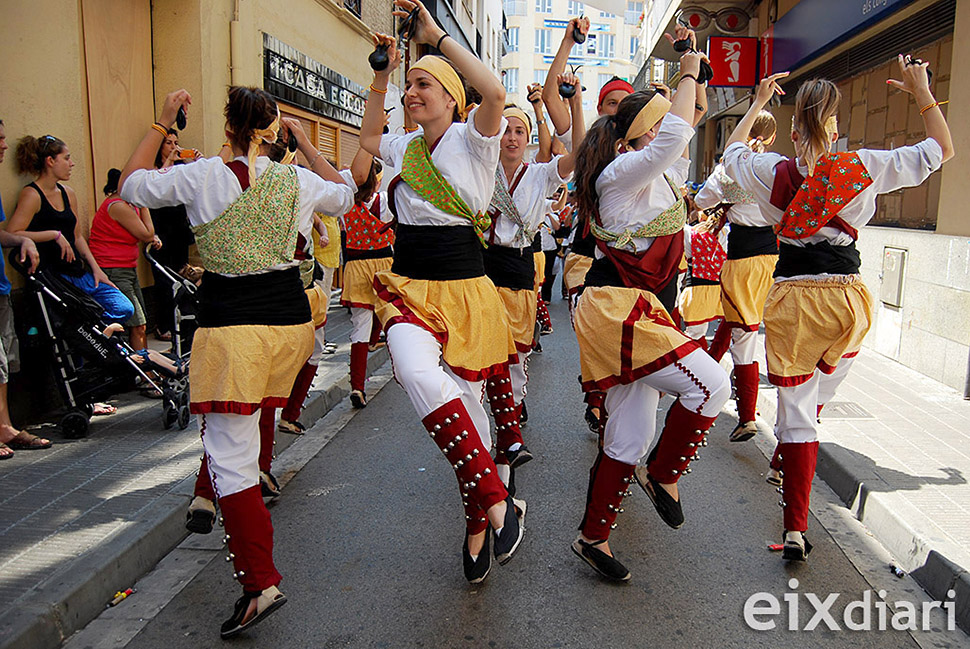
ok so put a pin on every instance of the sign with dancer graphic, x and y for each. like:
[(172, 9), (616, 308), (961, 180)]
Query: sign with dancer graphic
[(734, 60)]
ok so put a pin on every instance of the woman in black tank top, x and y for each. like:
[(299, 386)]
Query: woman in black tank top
[(47, 213)]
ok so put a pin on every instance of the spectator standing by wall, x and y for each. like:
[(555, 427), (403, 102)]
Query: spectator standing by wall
[(11, 437)]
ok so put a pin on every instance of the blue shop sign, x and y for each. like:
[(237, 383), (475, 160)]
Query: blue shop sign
[(812, 26)]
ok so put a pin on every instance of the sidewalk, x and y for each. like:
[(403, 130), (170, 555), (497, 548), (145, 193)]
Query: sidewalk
[(895, 447), (85, 519)]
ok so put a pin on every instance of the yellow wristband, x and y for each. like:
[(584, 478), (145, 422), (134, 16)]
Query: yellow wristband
[(378, 90), (933, 105), (161, 129)]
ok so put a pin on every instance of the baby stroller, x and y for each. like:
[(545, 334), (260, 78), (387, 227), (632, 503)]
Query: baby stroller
[(185, 297), (91, 363)]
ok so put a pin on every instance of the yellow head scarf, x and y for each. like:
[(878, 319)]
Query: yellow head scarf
[(515, 111), (650, 114), (260, 135), (441, 70)]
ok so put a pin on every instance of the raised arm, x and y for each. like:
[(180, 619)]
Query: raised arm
[(545, 138), (488, 117), (558, 110), (372, 124), (916, 82), (144, 154), (766, 90), (567, 163)]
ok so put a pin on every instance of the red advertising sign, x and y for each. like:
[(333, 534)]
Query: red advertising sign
[(765, 59), (734, 60)]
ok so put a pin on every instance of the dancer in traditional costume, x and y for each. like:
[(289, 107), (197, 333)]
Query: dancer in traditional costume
[(369, 251), (818, 310), (518, 207), (746, 275), (629, 346), (447, 331), (699, 303), (255, 322)]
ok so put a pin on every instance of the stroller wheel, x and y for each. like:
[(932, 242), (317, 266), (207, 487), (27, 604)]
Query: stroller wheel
[(74, 425), (183, 417), (169, 415), (88, 409)]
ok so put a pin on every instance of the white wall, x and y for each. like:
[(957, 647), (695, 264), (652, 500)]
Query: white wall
[(931, 331)]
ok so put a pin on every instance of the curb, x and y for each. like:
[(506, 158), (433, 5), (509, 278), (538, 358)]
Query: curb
[(887, 521), (75, 594)]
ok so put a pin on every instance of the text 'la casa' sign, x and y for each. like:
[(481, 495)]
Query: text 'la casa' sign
[(734, 60)]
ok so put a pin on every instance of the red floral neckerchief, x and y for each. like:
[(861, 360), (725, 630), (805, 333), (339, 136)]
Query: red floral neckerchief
[(838, 178), (365, 230), (707, 255)]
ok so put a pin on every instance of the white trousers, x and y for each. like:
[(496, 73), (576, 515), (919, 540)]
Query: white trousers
[(631, 430), (520, 377), (361, 323), (744, 344), (696, 331), (231, 444), (798, 405), (429, 383), (326, 284)]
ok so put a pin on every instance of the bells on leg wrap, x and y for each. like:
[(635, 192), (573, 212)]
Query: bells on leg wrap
[(683, 434), (301, 386), (452, 429), (609, 482), (249, 537), (498, 391), (799, 466)]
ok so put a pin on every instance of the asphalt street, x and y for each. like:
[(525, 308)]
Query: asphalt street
[(369, 533)]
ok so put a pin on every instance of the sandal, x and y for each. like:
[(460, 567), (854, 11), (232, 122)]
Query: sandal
[(5, 452), (24, 441), (102, 409), (266, 601), (150, 392), (163, 336)]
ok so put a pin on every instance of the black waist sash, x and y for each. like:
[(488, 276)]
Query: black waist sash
[(603, 273), (351, 254), (690, 280), (274, 298), (583, 244), (746, 241), (436, 252), (512, 268), (816, 259)]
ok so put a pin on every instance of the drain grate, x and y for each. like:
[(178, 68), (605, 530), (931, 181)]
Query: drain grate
[(845, 410)]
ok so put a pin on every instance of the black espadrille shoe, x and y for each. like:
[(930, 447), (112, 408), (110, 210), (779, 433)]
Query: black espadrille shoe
[(601, 562)]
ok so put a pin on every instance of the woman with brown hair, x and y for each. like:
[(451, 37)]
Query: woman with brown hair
[(818, 310), (745, 278), (47, 213), (255, 321), (628, 176), (447, 331)]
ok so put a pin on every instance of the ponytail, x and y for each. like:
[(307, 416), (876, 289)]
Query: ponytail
[(762, 131), (598, 148), (32, 153), (816, 106)]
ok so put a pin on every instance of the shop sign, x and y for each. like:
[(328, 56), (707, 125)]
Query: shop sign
[(734, 60), (297, 79), (813, 26), (764, 55)]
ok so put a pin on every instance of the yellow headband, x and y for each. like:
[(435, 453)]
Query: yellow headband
[(650, 114), (515, 111), (260, 135), (441, 70)]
